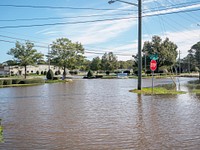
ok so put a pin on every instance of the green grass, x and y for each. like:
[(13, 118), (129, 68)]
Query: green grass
[(1, 132), (194, 86), (20, 85), (157, 91), (58, 81)]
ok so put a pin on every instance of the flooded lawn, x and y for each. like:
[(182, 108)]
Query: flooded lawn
[(98, 114)]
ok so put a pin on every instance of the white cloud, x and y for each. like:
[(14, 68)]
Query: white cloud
[(99, 33), (184, 39)]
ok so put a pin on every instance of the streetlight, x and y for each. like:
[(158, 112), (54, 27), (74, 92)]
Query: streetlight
[(139, 5)]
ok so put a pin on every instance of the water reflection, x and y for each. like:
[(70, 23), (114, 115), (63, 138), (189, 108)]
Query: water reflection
[(98, 114)]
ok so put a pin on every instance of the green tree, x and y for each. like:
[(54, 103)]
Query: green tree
[(66, 54), (95, 64), (195, 50), (126, 64), (25, 55), (85, 65), (109, 62), (166, 51), (10, 62)]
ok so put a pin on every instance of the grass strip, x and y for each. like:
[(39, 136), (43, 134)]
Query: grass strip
[(157, 91)]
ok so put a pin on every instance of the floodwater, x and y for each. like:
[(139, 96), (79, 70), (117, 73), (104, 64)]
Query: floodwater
[(98, 114)]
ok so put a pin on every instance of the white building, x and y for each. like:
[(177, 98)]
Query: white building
[(19, 70)]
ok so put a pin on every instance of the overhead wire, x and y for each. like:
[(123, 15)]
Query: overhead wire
[(89, 51), (64, 23), (57, 18), (145, 15), (98, 20), (61, 7)]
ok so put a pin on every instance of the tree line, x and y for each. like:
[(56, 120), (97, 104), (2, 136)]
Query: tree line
[(70, 55)]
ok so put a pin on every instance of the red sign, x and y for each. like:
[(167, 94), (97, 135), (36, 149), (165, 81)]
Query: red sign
[(153, 65)]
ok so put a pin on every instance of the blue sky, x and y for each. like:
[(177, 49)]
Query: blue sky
[(118, 35)]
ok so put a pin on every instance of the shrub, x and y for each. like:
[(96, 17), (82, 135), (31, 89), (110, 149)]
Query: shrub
[(73, 72), (55, 78), (1, 76), (90, 74), (1, 82), (16, 81), (7, 82), (107, 72), (99, 76), (117, 71), (127, 71), (37, 72), (50, 75)]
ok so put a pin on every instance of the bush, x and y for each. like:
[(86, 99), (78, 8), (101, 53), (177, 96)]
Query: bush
[(107, 73), (99, 76), (7, 82), (56, 78), (90, 74), (50, 75), (117, 71), (1, 82), (73, 72), (127, 71), (16, 81), (37, 72)]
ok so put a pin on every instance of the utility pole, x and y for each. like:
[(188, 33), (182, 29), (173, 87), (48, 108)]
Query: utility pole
[(179, 62), (49, 61), (139, 44), (139, 5)]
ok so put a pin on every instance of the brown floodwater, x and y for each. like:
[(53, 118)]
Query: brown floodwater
[(98, 114)]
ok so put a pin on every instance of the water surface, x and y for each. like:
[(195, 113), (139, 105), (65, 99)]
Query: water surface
[(98, 114)]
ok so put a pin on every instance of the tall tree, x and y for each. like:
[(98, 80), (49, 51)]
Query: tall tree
[(109, 62), (25, 55), (95, 64), (166, 51), (195, 49), (66, 53)]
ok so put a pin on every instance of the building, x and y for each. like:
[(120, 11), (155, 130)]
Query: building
[(19, 70)]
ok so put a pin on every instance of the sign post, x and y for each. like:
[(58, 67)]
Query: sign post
[(153, 67)]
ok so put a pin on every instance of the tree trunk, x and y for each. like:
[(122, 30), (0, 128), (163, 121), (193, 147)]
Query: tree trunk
[(64, 73), (25, 71)]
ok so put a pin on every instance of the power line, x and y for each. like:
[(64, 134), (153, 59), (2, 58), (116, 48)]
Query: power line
[(60, 7), (56, 18), (21, 39), (167, 13), (173, 6), (98, 20), (64, 23), (86, 50)]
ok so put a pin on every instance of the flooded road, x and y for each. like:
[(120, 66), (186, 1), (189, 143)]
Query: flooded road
[(98, 114)]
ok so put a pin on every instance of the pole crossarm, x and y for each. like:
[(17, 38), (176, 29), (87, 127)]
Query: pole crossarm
[(112, 1)]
